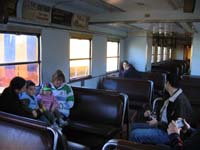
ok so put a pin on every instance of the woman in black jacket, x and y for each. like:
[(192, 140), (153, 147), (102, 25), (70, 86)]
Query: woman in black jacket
[(9, 99), (192, 142)]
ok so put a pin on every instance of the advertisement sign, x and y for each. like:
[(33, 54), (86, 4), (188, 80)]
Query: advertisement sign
[(36, 12)]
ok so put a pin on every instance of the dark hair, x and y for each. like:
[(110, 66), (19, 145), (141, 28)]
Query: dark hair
[(125, 61), (29, 83), (17, 83), (173, 80), (121, 64)]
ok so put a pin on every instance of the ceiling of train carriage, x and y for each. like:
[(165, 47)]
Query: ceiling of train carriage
[(164, 16)]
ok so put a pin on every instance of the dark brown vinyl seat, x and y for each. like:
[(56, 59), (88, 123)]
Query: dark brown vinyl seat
[(20, 133), (139, 93), (191, 88), (96, 117), (159, 80)]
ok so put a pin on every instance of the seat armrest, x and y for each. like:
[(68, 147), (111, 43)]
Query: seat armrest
[(76, 146), (120, 144)]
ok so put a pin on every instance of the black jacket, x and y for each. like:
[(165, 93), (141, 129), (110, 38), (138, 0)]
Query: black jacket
[(130, 73), (181, 107), (9, 102), (191, 143)]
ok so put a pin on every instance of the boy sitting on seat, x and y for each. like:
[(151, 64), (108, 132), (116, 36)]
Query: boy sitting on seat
[(31, 105)]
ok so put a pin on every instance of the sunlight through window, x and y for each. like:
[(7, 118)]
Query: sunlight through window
[(79, 58), (18, 57), (112, 56)]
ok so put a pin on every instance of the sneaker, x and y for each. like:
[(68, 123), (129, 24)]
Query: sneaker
[(54, 125), (62, 122)]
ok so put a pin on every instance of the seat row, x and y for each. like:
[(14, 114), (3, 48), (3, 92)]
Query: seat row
[(175, 68), (97, 116), (21, 133)]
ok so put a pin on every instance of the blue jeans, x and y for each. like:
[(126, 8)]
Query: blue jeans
[(143, 133)]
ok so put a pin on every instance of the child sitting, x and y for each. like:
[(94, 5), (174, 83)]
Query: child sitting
[(30, 104), (49, 101)]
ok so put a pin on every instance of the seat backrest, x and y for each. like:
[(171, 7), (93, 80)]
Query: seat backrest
[(98, 106), (137, 90), (159, 80), (22, 133), (192, 79), (191, 88)]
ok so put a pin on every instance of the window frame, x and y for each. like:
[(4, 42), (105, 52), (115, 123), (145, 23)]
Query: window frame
[(118, 55), (38, 35), (81, 37)]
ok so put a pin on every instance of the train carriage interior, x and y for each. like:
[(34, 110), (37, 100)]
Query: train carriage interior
[(88, 40)]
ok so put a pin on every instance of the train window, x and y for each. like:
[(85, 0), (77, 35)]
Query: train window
[(159, 54), (112, 56), (170, 53), (165, 54), (19, 56), (80, 58), (154, 53)]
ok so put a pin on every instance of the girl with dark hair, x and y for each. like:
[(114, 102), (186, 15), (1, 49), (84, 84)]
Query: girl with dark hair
[(123, 67), (9, 99), (128, 71)]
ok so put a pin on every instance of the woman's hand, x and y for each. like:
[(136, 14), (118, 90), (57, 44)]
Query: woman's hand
[(186, 126), (172, 128)]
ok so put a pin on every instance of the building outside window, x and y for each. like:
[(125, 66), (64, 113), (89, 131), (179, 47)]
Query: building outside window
[(19, 56)]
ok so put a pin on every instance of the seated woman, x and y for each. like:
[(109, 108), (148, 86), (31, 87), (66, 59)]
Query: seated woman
[(192, 139), (123, 68), (128, 71), (9, 99), (131, 72)]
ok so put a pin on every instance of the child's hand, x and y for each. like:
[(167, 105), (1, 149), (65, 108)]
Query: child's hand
[(43, 108), (34, 114), (147, 113)]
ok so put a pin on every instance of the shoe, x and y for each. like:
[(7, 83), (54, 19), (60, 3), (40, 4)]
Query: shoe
[(62, 122), (56, 126)]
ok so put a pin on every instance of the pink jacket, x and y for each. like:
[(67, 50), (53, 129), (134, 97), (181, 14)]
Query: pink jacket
[(49, 101)]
